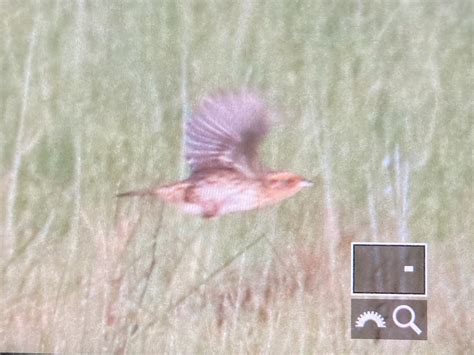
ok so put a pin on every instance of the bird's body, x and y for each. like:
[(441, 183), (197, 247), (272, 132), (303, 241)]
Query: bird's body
[(216, 192), (221, 147)]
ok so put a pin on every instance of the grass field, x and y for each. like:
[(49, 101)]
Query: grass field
[(375, 105)]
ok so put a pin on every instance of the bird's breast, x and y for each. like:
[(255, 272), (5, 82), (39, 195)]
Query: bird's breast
[(225, 196)]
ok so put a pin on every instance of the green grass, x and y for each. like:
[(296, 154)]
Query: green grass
[(375, 103)]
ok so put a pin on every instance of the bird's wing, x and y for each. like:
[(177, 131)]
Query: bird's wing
[(225, 132)]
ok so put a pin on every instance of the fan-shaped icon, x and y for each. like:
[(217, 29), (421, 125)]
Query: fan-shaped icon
[(370, 315)]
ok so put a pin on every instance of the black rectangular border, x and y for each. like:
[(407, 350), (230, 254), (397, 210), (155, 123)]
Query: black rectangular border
[(377, 294)]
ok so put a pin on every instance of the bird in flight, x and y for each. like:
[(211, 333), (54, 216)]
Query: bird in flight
[(221, 147)]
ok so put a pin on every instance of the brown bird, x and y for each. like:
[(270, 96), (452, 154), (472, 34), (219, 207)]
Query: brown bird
[(221, 143)]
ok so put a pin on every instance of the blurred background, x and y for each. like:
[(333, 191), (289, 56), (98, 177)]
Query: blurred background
[(375, 105)]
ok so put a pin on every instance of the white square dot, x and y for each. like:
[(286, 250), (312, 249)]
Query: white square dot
[(409, 268)]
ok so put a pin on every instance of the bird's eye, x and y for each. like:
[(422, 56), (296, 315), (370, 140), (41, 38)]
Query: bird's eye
[(282, 182), (275, 182)]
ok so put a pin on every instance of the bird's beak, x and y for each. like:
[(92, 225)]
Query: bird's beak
[(306, 183)]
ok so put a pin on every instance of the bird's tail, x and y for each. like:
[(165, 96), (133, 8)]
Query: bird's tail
[(147, 192)]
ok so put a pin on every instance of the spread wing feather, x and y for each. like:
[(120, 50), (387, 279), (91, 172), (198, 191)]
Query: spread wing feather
[(225, 132)]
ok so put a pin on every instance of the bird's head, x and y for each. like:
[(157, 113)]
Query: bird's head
[(282, 184)]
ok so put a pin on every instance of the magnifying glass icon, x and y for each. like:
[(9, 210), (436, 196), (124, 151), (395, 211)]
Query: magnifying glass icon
[(410, 323)]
